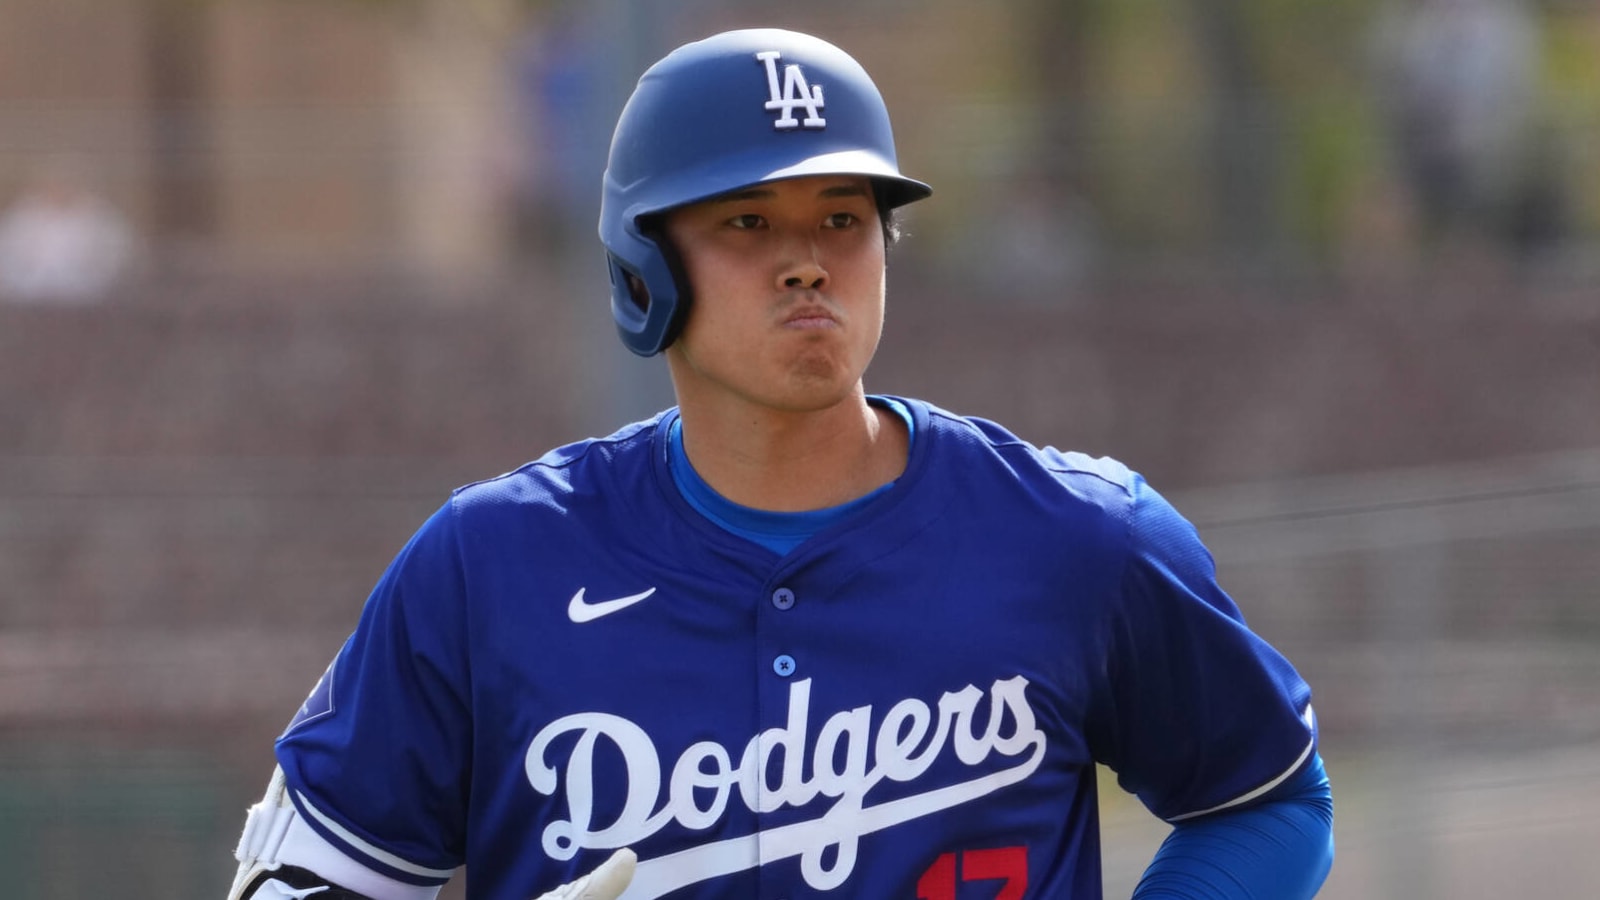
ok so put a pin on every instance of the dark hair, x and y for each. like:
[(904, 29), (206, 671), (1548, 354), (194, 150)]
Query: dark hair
[(887, 216)]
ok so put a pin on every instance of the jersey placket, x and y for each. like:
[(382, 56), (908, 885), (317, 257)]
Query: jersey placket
[(782, 699)]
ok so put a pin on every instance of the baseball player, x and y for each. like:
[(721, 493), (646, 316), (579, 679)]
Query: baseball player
[(787, 639)]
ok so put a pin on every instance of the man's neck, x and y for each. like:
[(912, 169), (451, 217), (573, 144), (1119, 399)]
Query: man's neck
[(793, 461)]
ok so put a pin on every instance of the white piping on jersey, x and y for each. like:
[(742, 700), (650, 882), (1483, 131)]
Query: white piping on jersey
[(280, 891), (303, 846), (378, 854), (276, 834), (1310, 718), (902, 750)]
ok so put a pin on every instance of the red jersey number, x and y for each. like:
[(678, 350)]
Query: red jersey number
[(1007, 865)]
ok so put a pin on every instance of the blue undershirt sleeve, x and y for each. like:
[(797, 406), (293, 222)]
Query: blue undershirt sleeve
[(1278, 849)]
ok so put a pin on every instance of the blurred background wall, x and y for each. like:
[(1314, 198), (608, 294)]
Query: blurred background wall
[(275, 275)]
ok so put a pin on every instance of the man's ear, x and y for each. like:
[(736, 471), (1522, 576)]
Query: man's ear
[(637, 290)]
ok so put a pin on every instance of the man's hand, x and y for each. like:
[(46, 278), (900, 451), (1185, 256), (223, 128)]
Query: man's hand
[(605, 883)]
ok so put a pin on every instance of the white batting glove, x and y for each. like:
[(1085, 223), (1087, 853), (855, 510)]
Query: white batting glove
[(605, 883)]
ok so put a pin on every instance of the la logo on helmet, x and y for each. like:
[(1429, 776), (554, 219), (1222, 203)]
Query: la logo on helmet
[(795, 92)]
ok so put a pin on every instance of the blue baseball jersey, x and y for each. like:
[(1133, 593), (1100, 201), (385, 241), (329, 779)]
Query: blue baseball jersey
[(569, 658)]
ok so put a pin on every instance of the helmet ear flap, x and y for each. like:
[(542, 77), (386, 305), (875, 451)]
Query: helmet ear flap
[(651, 300), (654, 230)]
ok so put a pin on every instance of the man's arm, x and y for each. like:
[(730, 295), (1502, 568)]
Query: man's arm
[(283, 858), (1277, 849)]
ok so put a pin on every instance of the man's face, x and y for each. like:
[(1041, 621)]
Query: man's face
[(788, 289)]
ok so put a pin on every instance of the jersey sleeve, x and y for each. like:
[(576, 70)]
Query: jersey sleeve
[(1197, 713), (1281, 848), (377, 760)]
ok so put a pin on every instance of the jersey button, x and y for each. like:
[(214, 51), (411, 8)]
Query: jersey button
[(783, 665), (783, 598)]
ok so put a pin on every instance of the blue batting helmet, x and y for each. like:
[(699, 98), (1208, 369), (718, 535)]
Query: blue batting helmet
[(735, 109)]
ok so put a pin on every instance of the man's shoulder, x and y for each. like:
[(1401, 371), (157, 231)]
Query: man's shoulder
[(977, 436), (589, 467)]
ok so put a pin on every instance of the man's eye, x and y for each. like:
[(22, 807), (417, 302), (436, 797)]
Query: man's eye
[(842, 220), (747, 220)]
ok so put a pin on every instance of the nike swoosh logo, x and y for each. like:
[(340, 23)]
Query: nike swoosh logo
[(580, 611)]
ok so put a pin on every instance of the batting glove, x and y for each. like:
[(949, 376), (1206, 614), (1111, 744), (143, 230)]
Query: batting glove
[(605, 883)]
